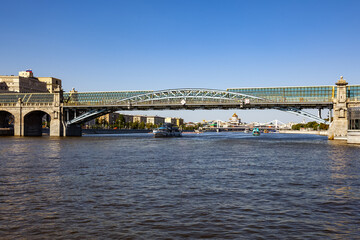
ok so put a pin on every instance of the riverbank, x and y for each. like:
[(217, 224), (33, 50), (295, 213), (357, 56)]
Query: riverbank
[(114, 131), (126, 131), (321, 133)]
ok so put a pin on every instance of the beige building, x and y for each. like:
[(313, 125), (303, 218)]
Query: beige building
[(139, 118), (110, 118), (51, 83), (175, 121), (155, 120), (27, 83)]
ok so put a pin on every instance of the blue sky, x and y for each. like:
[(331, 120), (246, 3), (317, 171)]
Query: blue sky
[(152, 45)]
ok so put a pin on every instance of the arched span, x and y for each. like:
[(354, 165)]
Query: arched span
[(6, 119), (199, 94), (35, 121), (6, 123)]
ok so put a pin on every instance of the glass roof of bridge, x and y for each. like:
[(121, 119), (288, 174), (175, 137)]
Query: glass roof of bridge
[(27, 97), (90, 97), (299, 94), (276, 94)]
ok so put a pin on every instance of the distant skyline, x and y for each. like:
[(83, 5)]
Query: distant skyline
[(160, 44)]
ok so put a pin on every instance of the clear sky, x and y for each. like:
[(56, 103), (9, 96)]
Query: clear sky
[(161, 44)]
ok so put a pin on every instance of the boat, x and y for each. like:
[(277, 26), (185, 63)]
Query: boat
[(167, 130), (256, 132)]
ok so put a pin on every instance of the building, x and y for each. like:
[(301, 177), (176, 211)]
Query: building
[(27, 83), (51, 83), (175, 121), (128, 118), (353, 134), (139, 119), (109, 118), (234, 120), (3, 87), (155, 120)]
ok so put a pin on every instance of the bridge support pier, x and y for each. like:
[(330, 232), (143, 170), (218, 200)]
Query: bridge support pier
[(73, 130), (56, 128), (339, 126), (27, 118), (26, 125)]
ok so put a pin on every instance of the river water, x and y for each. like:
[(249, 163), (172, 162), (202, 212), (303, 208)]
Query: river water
[(211, 185)]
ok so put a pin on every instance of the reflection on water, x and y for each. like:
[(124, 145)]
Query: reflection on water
[(225, 185)]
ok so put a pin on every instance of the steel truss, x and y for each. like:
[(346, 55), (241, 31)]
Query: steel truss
[(87, 116), (300, 112), (187, 93)]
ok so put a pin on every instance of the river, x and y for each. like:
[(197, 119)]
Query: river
[(211, 185)]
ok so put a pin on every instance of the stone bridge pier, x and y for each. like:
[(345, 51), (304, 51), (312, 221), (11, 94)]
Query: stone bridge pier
[(26, 119), (339, 126)]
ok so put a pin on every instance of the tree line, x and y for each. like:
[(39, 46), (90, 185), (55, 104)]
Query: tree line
[(120, 123), (310, 125)]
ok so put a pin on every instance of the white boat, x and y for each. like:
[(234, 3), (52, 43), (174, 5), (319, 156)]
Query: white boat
[(167, 130)]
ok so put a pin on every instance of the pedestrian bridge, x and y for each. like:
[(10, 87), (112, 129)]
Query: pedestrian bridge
[(72, 108)]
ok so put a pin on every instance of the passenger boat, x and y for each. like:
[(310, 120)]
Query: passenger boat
[(256, 132), (167, 130)]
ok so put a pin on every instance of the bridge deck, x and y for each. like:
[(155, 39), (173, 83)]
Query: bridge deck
[(300, 94), (307, 96)]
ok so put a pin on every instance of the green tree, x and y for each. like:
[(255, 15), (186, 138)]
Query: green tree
[(135, 125), (142, 125), (314, 125), (324, 126), (297, 126), (104, 123), (120, 121)]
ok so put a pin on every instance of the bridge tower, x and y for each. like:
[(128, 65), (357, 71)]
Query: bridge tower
[(339, 125)]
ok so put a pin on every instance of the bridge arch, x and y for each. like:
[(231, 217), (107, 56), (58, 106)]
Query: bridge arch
[(33, 122), (187, 95), (7, 120)]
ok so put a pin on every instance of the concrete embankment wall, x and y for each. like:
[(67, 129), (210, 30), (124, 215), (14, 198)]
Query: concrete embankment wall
[(322, 133), (114, 131)]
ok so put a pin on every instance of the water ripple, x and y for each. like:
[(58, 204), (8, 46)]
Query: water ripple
[(220, 186)]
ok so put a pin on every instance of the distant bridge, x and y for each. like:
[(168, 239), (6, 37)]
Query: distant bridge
[(68, 110)]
